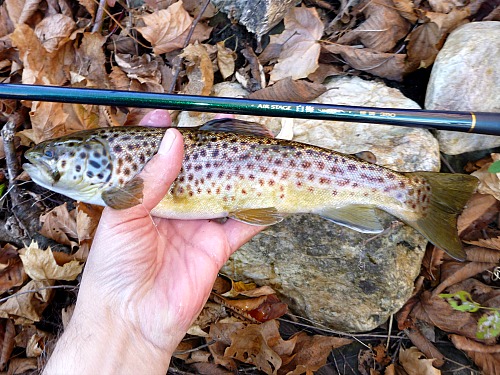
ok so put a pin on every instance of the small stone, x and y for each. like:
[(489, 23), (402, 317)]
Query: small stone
[(466, 77), (257, 16)]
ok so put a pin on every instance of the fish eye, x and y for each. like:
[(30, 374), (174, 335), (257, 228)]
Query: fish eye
[(49, 153)]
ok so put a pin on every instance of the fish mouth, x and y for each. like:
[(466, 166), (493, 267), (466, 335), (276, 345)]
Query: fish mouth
[(41, 173)]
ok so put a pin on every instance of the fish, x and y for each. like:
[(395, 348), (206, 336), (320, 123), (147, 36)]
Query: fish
[(237, 169)]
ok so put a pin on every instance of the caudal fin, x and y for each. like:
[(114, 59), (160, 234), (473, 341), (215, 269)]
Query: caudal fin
[(449, 194)]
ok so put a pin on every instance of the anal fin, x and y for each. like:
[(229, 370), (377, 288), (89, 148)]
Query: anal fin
[(121, 198), (258, 216), (360, 218)]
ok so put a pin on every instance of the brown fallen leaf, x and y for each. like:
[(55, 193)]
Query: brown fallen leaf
[(250, 345), (415, 363), (41, 265), (7, 334), (487, 357), (382, 29), (454, 272), (479, 206), (199, 69), (221, 333), (489, 183), (290, 90), (406, 9), (11, 269), (54, 31), (423, 344), (167, 29), (28, 304), (60, 225), (300, 44), (225, 60), (385, 65), (422, 45), (22, 366), (311, 352), (438, 312)]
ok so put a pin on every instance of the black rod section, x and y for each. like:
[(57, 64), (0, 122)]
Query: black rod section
[(472, 122)]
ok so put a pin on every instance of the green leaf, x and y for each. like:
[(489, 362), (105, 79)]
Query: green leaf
[(488, 326), (495, 167), (461, 301), (2, 189)]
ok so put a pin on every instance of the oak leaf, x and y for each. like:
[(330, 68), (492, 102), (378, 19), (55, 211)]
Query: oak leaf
[(41, 265), (415, 363), (300, 44), (54, 31), (167, 29), (60, 225)]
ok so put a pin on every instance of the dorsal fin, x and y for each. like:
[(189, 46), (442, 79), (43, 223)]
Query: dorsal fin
[(231, 125)]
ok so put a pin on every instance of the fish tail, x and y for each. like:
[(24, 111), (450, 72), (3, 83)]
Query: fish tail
[(448, 197)]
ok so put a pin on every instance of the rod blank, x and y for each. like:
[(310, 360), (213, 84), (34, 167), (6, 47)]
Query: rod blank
[(472, 122)]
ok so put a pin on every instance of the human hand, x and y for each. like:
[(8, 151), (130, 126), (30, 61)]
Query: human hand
[(147, 279)]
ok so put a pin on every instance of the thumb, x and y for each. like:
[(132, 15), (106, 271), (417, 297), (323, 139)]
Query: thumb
[(162, 169)]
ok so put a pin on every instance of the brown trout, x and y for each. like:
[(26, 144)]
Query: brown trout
[(235, 169)]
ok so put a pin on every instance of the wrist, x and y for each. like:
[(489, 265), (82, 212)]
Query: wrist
[(105, 344)]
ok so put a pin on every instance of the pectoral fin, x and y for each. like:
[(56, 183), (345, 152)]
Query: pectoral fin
[(360, 218), (258, 216), (124, 197)]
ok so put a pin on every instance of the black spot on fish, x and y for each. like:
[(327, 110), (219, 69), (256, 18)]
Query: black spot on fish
[(100, 176), (90, 174), (126, 171), (83, 155), (97, 154), (86, 146), (78, 168), (94, 164), (117, 148), (215, 153)]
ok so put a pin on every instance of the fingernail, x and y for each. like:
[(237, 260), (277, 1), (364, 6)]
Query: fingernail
[(167, 141)]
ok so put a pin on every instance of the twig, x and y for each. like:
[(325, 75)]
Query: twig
[(37, 290), (99, 17), (176, 69)]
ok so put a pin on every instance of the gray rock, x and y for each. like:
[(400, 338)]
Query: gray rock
[(466, 77), (258, 16), (330, 274)]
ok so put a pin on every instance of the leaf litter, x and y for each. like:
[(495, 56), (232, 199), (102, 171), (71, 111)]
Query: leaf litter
[(165, 46)]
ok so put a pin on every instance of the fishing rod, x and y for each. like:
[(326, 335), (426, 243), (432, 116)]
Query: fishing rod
[(471, 122)]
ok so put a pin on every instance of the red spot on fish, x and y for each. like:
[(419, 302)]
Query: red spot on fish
[(271, 182), (392, 176), (299, 174), (228, 187), (320, 165), (261, 182), (306, 164), (190, 193), (190, 177), (344, 182), (209, 191), (354, 184), (250, 166), (365, 194), (243, 191), (334, 192), (263, 169), (282, 196), (402, 184), (221, 173), (275, 172), (310, 189), (292, 164), (282, 188), (298, 183), (285, 175), (428, 188), (413, 206), (278, 162), (324, 180), (217, 191), (199, 190), (310, 177)]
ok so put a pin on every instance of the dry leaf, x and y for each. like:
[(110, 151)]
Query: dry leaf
[(385, 65), (22, 366), (40, 66), (225, 60), (406, 9), (415, 363), (489, 243), (300, 44), (453, 272), (422, 45), (90, 61), (249, 345), (199, 70), (60, 225), (478, 206), (438, 312), (54, 31), (27, 305), (167, 29), (489, 183), (487, 357), (383, 28), (11, 269), (290, 90), (7, 334), (426, 346), (311, 352), (41, 265), (21, 11)]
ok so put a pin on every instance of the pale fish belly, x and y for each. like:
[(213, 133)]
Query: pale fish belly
[(221, 175)]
